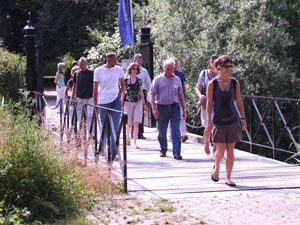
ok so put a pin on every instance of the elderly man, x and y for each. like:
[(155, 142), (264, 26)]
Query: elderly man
[(144, 76), (165, 95), (110, 77)]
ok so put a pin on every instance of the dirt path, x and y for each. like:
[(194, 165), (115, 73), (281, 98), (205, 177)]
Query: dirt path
[(215, 208)]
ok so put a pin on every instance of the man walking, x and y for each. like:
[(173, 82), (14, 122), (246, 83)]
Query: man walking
[(83, 88), (110, 77), (165, 95), (144, 76)]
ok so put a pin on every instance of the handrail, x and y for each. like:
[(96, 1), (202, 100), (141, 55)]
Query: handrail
[(269, 122), (69, 122)]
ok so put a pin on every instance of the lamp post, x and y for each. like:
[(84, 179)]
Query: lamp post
[(31, 77)]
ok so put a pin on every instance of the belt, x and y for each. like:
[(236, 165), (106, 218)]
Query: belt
[(169, 105), (130, 100)]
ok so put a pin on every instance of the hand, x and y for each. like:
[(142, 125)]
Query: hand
[(184, 115), (244, 124), (155, 112), (209, 127), (203, 99), (145, 108)]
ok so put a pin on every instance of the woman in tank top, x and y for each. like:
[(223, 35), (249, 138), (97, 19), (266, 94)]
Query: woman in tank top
[(222, 118), (60, 86)]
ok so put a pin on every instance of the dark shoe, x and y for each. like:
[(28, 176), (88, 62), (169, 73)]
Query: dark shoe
[(178, 157), (230, 183), (184, 138), (163, 154), (141, 137), (214, 176)]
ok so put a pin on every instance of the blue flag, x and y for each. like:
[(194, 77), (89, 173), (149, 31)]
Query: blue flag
[(124, 20)]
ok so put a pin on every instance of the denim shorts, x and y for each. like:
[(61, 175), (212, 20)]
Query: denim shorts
[(227, 133)]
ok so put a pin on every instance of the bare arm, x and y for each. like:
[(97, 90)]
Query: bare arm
[(240, 105), (209, 104), (122, 87), (67, 89), (143, 98), (182, 103), (95, 92), (56, 79), (153, 106)]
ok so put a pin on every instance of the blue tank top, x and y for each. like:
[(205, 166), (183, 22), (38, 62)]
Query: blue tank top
[(224, 111), (61, 79)]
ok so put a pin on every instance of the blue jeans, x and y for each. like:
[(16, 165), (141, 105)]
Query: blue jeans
[(169, 113), (117, 105)]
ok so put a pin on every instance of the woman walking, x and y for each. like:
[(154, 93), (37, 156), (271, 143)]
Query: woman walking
[(60, 86), (204, 77), (222, 91), (134, 102)]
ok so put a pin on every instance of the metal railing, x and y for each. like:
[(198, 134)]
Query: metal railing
[(273, 124), (100, 134)]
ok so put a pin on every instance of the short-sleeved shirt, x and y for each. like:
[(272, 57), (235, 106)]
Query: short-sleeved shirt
[(133, 90), (180, 74), (84, 84), (109, 82), (167, 90)]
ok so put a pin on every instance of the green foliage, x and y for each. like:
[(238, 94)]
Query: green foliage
[(252, 34), (31, 173), (107, 43), (12, 74)]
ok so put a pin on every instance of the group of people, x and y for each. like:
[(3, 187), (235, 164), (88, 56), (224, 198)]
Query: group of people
[(109, 87)]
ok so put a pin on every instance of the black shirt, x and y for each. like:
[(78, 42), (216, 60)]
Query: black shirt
[(84, 84)]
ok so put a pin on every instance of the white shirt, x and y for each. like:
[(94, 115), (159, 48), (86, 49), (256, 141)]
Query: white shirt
[(109, 82), (144, 76)]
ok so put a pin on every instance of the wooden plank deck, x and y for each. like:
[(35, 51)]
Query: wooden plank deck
[(150, 176)]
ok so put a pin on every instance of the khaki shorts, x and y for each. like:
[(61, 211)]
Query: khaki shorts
[(134, 111), (227, 133)]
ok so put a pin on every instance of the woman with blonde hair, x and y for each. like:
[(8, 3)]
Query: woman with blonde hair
[(134, 102), (60, 86), (224, 122)]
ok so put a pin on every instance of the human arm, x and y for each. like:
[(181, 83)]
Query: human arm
[(240, 105), (122, 87), (153, 106), (143, 98), (56, 79), (67, 89), (199, 88), (183, 106), (95, 92), (209, 104)]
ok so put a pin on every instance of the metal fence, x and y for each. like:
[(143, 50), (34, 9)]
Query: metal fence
[(273, 124), (100, 135)]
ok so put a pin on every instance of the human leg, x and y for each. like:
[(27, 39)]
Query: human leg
[(229, 161), (175, 128), (128, 131), (135, 133), (218, 158), (162, 123), (206, 142)]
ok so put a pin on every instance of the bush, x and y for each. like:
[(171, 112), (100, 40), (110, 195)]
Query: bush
[(31, 173), (12, 74)]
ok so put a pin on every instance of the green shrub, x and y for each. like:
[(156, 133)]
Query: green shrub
[(32, 175), (12, 74)]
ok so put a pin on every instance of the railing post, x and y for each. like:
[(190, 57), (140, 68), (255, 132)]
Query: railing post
[(298, 121), (125, 119), (251, 125), (273, 128)]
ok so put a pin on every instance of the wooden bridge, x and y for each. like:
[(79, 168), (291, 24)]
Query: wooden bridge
[(150, 176)]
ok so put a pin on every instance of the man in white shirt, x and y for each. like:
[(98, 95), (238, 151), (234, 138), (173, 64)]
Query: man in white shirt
[(110, 77), (144, 76)]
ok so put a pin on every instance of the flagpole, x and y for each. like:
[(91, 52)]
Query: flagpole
[(132, 29)]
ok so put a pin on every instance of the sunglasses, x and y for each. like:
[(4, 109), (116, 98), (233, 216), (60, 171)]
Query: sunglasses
[(134, 68), (228, 66)]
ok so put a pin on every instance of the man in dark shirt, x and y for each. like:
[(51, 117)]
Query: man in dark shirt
[(83, 87)]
